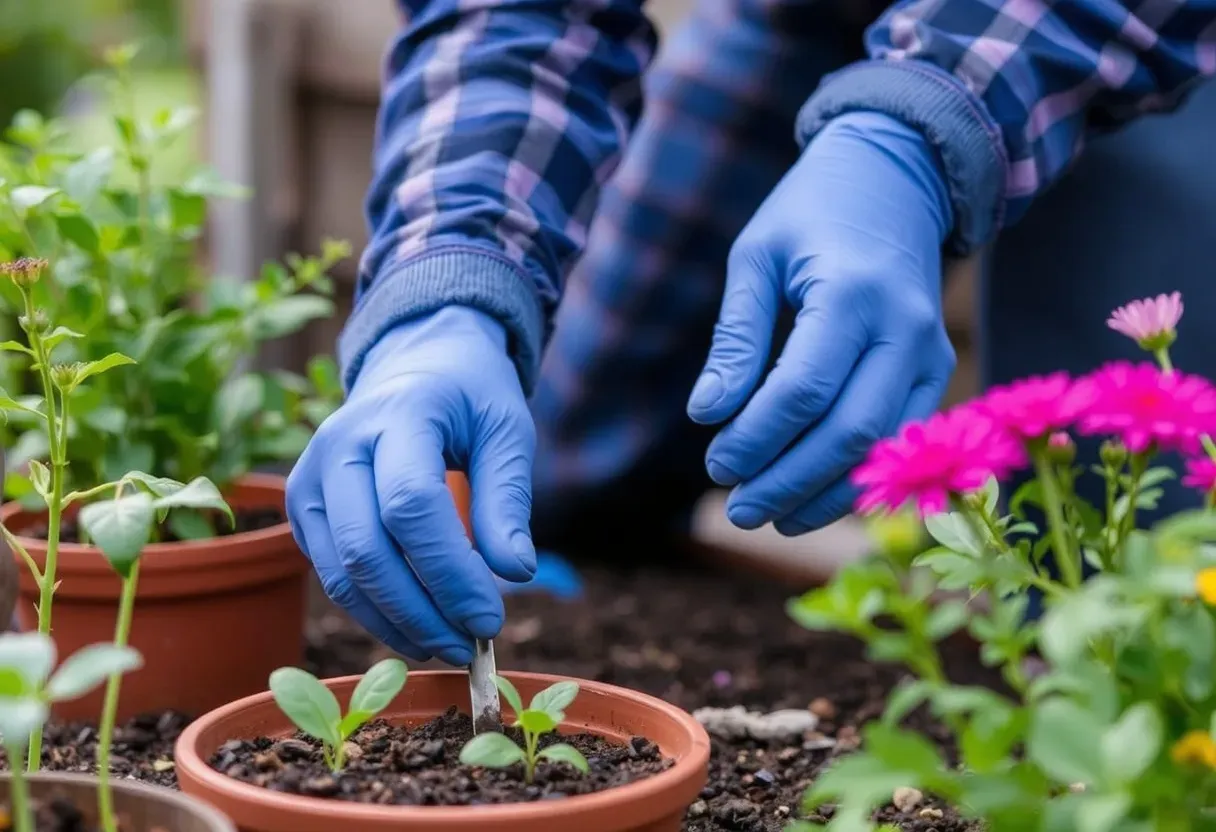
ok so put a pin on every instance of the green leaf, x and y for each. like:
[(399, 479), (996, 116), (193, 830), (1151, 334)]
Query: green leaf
[(509, 693), (946, 619), (287, 315), (568, 754), (555, 699), (15, 346), (186, 210), (92, 368), (491, 750), (238, 400), (158, 486), (77, 229), (120, 528), (190, 525), (1066, 742), (40, 478), (1070, 626), (21, 717), (536, 722), (379, 686), (308, 703), (1131, 744), (84, 179), (906, 698), (31, 655), (58, 335), (89, 667), (9, 403), (25, 197), (199, 493), (954, 531)]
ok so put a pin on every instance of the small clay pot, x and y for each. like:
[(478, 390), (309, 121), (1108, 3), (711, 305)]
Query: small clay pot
[(656, 804), (213, 618), (142, 808)]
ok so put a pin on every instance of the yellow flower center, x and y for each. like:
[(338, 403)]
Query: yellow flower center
[(1195, 748), (1205, 585)]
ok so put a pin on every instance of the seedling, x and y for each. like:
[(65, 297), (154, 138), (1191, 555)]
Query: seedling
[(28, 689), (542, 716), (314, 709)]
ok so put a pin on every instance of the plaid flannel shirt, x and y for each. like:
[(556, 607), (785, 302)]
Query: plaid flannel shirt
[(508, 174)]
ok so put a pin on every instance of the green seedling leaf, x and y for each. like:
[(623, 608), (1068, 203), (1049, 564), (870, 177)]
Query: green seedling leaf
[(509, 693), (554, 699), (568, 754), (59, 335), (89, 667), (120, 528), (379, 686), (491, 750), (30, 655), (199, 493), (92, 368), (158, 486), (78, 230), (1066, 742), (1131, 744), (25, 197), (9, 403), (20, 717), (307, 703), (537, 722), (15, 346), (40, 477)]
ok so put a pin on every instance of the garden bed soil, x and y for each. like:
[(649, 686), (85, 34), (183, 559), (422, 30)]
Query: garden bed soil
[(695, 639), (420, 766)]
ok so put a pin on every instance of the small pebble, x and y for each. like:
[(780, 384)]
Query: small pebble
[(352, 750), (787, 754), (163, 765), (782, 811), (292, 750), (906, 798), (823, 708), (931, 813), (698, 809), (765, 776)]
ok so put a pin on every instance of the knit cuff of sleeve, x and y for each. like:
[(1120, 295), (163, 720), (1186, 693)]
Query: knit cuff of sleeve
[(447, 276), (954, 121)]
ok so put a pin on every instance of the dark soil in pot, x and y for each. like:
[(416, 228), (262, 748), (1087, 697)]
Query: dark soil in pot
[(696, 640), (420, 767)]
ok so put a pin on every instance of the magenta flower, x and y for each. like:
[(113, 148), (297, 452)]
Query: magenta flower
[(1144, 406), (1150, 322), (950, 453), (1039, 405), (1200, 474)]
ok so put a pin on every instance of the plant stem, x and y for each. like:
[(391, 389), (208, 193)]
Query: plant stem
[(109, 710), (57, 440), (1163, 358), (20, 795), (1070, 568), (1136, 466), (530, 741)]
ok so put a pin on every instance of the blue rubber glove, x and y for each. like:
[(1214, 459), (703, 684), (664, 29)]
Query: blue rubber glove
[(851, 237), (555, 576), (369, 506)]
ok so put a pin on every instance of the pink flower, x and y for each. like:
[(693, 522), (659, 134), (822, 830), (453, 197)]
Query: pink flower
[(1201, 474), (1037, 405), (1143, 405), (950, 453), (1059, 441), (1150, 322)]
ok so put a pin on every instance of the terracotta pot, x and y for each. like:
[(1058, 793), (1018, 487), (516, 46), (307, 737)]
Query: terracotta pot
[(656, 804), (212, 619), (143, 808)]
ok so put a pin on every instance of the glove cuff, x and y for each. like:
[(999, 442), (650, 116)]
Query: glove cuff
[(448, 276), (954, 122)]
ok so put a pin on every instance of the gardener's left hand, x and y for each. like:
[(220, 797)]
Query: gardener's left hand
[(851, 237)]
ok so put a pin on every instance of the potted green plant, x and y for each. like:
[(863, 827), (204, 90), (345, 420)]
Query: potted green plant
[(124, 278)]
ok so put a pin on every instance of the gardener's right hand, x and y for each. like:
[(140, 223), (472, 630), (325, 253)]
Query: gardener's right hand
[(369, 506)]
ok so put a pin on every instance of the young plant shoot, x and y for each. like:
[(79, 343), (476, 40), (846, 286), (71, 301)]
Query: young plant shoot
[(121, 526), (26, 694), (542, 716), (314, 709)]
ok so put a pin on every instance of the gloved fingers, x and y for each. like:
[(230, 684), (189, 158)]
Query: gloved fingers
[(500, 475), (743, 337), (828, 507), (373, 562), (419, 512), (822, 350), (867, 410), (838, 498), (319, 544)]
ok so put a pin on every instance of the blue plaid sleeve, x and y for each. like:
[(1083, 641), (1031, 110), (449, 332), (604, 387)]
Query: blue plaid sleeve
[(1007, 90), (499, 122)]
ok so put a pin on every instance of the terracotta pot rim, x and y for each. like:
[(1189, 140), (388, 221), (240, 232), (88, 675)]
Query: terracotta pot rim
[(695, 761), (179, 555), (210, 815)]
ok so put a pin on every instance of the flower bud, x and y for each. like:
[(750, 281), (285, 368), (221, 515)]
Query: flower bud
[(1113, 454), (899, 537), (66, 376), (1060, 448), (39, 323), (24, 271)]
